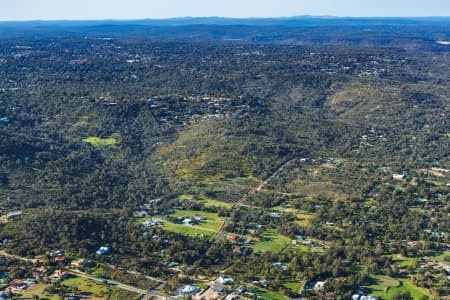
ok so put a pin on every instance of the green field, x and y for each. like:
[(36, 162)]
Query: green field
[(86, 285), (293, 285), (404, 286), (39, 291), (265, 294), (271, 241), (208, 227), (402, 261), (206, 201), (385, 287), (98, 142)]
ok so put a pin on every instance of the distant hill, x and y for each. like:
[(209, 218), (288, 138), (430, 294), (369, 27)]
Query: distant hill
[(305, 30)]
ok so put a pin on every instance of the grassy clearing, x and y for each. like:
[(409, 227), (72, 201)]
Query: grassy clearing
[(304, 219), (442, 257), (39, 291), (210, 202), (188, 230), (99, 142), (86, 285), (293, 285), (212, 220), (208, 227), (406, 286), (402, 261), (271, 241), (265, 294), (380, 285), (385, 287), (206, 201)]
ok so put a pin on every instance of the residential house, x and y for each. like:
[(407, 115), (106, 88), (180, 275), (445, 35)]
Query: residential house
[(40, 270), (18, 286), (189, 222), (59, 274), (103, 250), (225, 280), (59, 258), (398, 177), (79, 263), (237, 250), (14, 214), (188, 290), (232, 238)]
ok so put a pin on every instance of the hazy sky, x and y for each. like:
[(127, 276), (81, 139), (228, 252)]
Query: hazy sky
[(139, 9)]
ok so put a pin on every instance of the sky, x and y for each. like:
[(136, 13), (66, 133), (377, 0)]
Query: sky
[(158, 9)]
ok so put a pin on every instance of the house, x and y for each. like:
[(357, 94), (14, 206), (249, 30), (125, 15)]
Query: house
[(189, 290), (59, 274), (150, 223), (280, 266), (447, 269), (307, 242), (318, 285), (140, 214), (59, 258), (237, 250), (40, 270), (18, 286), (225, 280), (14, 214), (173, 264), (421, 201), (79, 263), (220, 289), (232, 238), (189, 222), (103, 250), (199, 218), (398, 177), (264, 282), (55, 253)]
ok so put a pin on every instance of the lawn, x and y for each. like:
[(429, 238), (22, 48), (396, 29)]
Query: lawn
[(39, 291), (85, 285), (265, 294), (402, 261), (379, 285), (404, 286), (304, 219), (271, 241), (210, 202), (188, 230), (206, 201), (212, 220), (385, 287), (208, 227), (98, 142), (293, 285)]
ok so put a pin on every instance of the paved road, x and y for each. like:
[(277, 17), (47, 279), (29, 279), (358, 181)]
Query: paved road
[(237, 204)]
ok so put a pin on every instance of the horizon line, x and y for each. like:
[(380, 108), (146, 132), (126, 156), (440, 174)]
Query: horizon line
[(223, 17)]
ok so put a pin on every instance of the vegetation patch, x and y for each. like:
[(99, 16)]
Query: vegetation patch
[(99, 142), (270, 240)]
